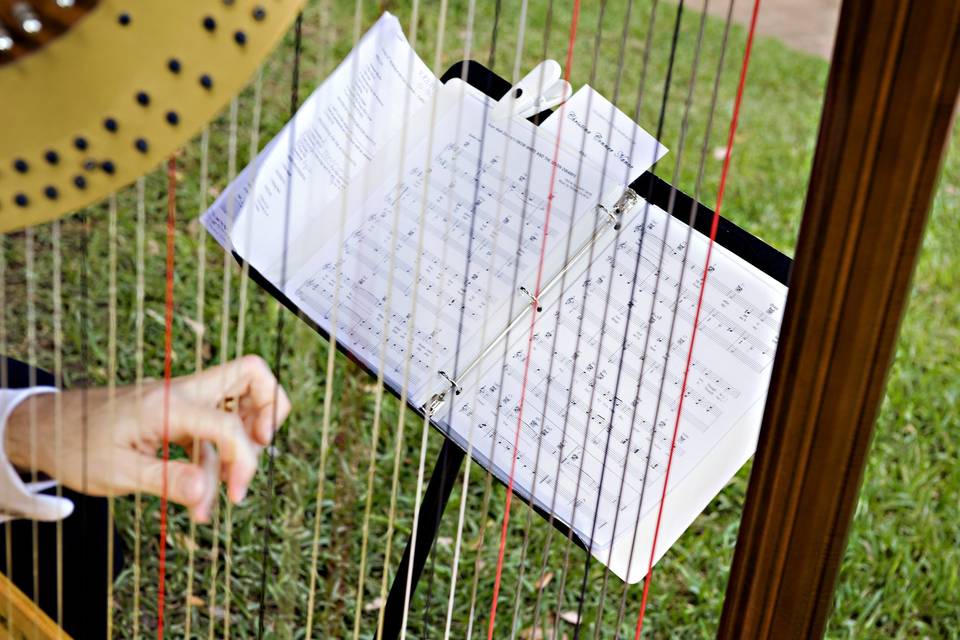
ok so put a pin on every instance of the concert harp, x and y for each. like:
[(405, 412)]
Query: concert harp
[(115, 142)]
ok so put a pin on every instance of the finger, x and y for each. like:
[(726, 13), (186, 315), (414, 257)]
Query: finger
[(186, 483), (260, 394), (268, 419), (249, 375), (210, 465), (191, 421)]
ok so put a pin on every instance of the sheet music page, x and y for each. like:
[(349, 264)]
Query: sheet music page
[(476, 188), (571, 387), (604, 136), (331, 140)]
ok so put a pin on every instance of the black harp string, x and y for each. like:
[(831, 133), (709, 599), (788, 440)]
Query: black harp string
[(678, 163), (279, 347), (567, 542), (488, 483), (694, 211), (461, 312), (630, 305), (515, 77), (606, 307), (598, 38)]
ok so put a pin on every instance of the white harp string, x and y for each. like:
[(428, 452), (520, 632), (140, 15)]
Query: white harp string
[(226, 290), (31, 282), (57, 312), (384, 334), (111, 385), (138, 388), (325, 44), (199, 331)]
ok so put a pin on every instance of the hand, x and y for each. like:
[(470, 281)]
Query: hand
[(119, 453)]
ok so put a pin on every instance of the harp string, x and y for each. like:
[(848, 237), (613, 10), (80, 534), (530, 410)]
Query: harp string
[(495, 241), (57, 313), (696, 317), (561, 583), (650, 317), (549, 534), (468, 44), (404, 386), (29, 258), (167, 371), (138, 388), (691, 223), (200, 330), (111, 384), (332, 348), (630, 307), (326, 42), (567, 256), (242, 283), (279, 345), (572, 37), (694, 210), (681, 147), (226, 291), (384, 334), (488, 478)]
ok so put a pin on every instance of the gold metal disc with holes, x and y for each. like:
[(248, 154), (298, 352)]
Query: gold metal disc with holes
[(113, 95)]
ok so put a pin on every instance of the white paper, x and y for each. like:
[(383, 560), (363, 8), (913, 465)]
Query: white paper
[(604, 135), (331, 140), (568, 444), (441, 249)]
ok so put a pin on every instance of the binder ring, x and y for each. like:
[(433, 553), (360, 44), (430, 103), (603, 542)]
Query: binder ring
[(612, 217), (533, 299), (453, 383)]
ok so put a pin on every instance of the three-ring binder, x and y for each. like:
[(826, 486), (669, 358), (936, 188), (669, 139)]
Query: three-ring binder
[(614, 214)]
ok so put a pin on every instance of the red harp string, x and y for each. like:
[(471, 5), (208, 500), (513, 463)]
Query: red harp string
[(696, 317), (571, 42)]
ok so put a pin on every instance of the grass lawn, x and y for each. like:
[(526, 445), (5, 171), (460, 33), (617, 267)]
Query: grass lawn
[(901, 572)]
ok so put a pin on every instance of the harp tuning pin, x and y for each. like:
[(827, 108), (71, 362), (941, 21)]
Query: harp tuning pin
[(29, 22)]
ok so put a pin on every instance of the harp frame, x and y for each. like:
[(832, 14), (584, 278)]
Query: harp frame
[(894, 77), (890, 98)]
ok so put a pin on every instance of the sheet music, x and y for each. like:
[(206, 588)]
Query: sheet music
[(331, 140), (733, 355), (604, 135), (478, 193)]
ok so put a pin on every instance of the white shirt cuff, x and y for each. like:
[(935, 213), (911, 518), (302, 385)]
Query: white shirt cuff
[(19, 499)]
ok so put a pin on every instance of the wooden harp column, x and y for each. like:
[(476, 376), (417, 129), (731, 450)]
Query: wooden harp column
[(891, 94)]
